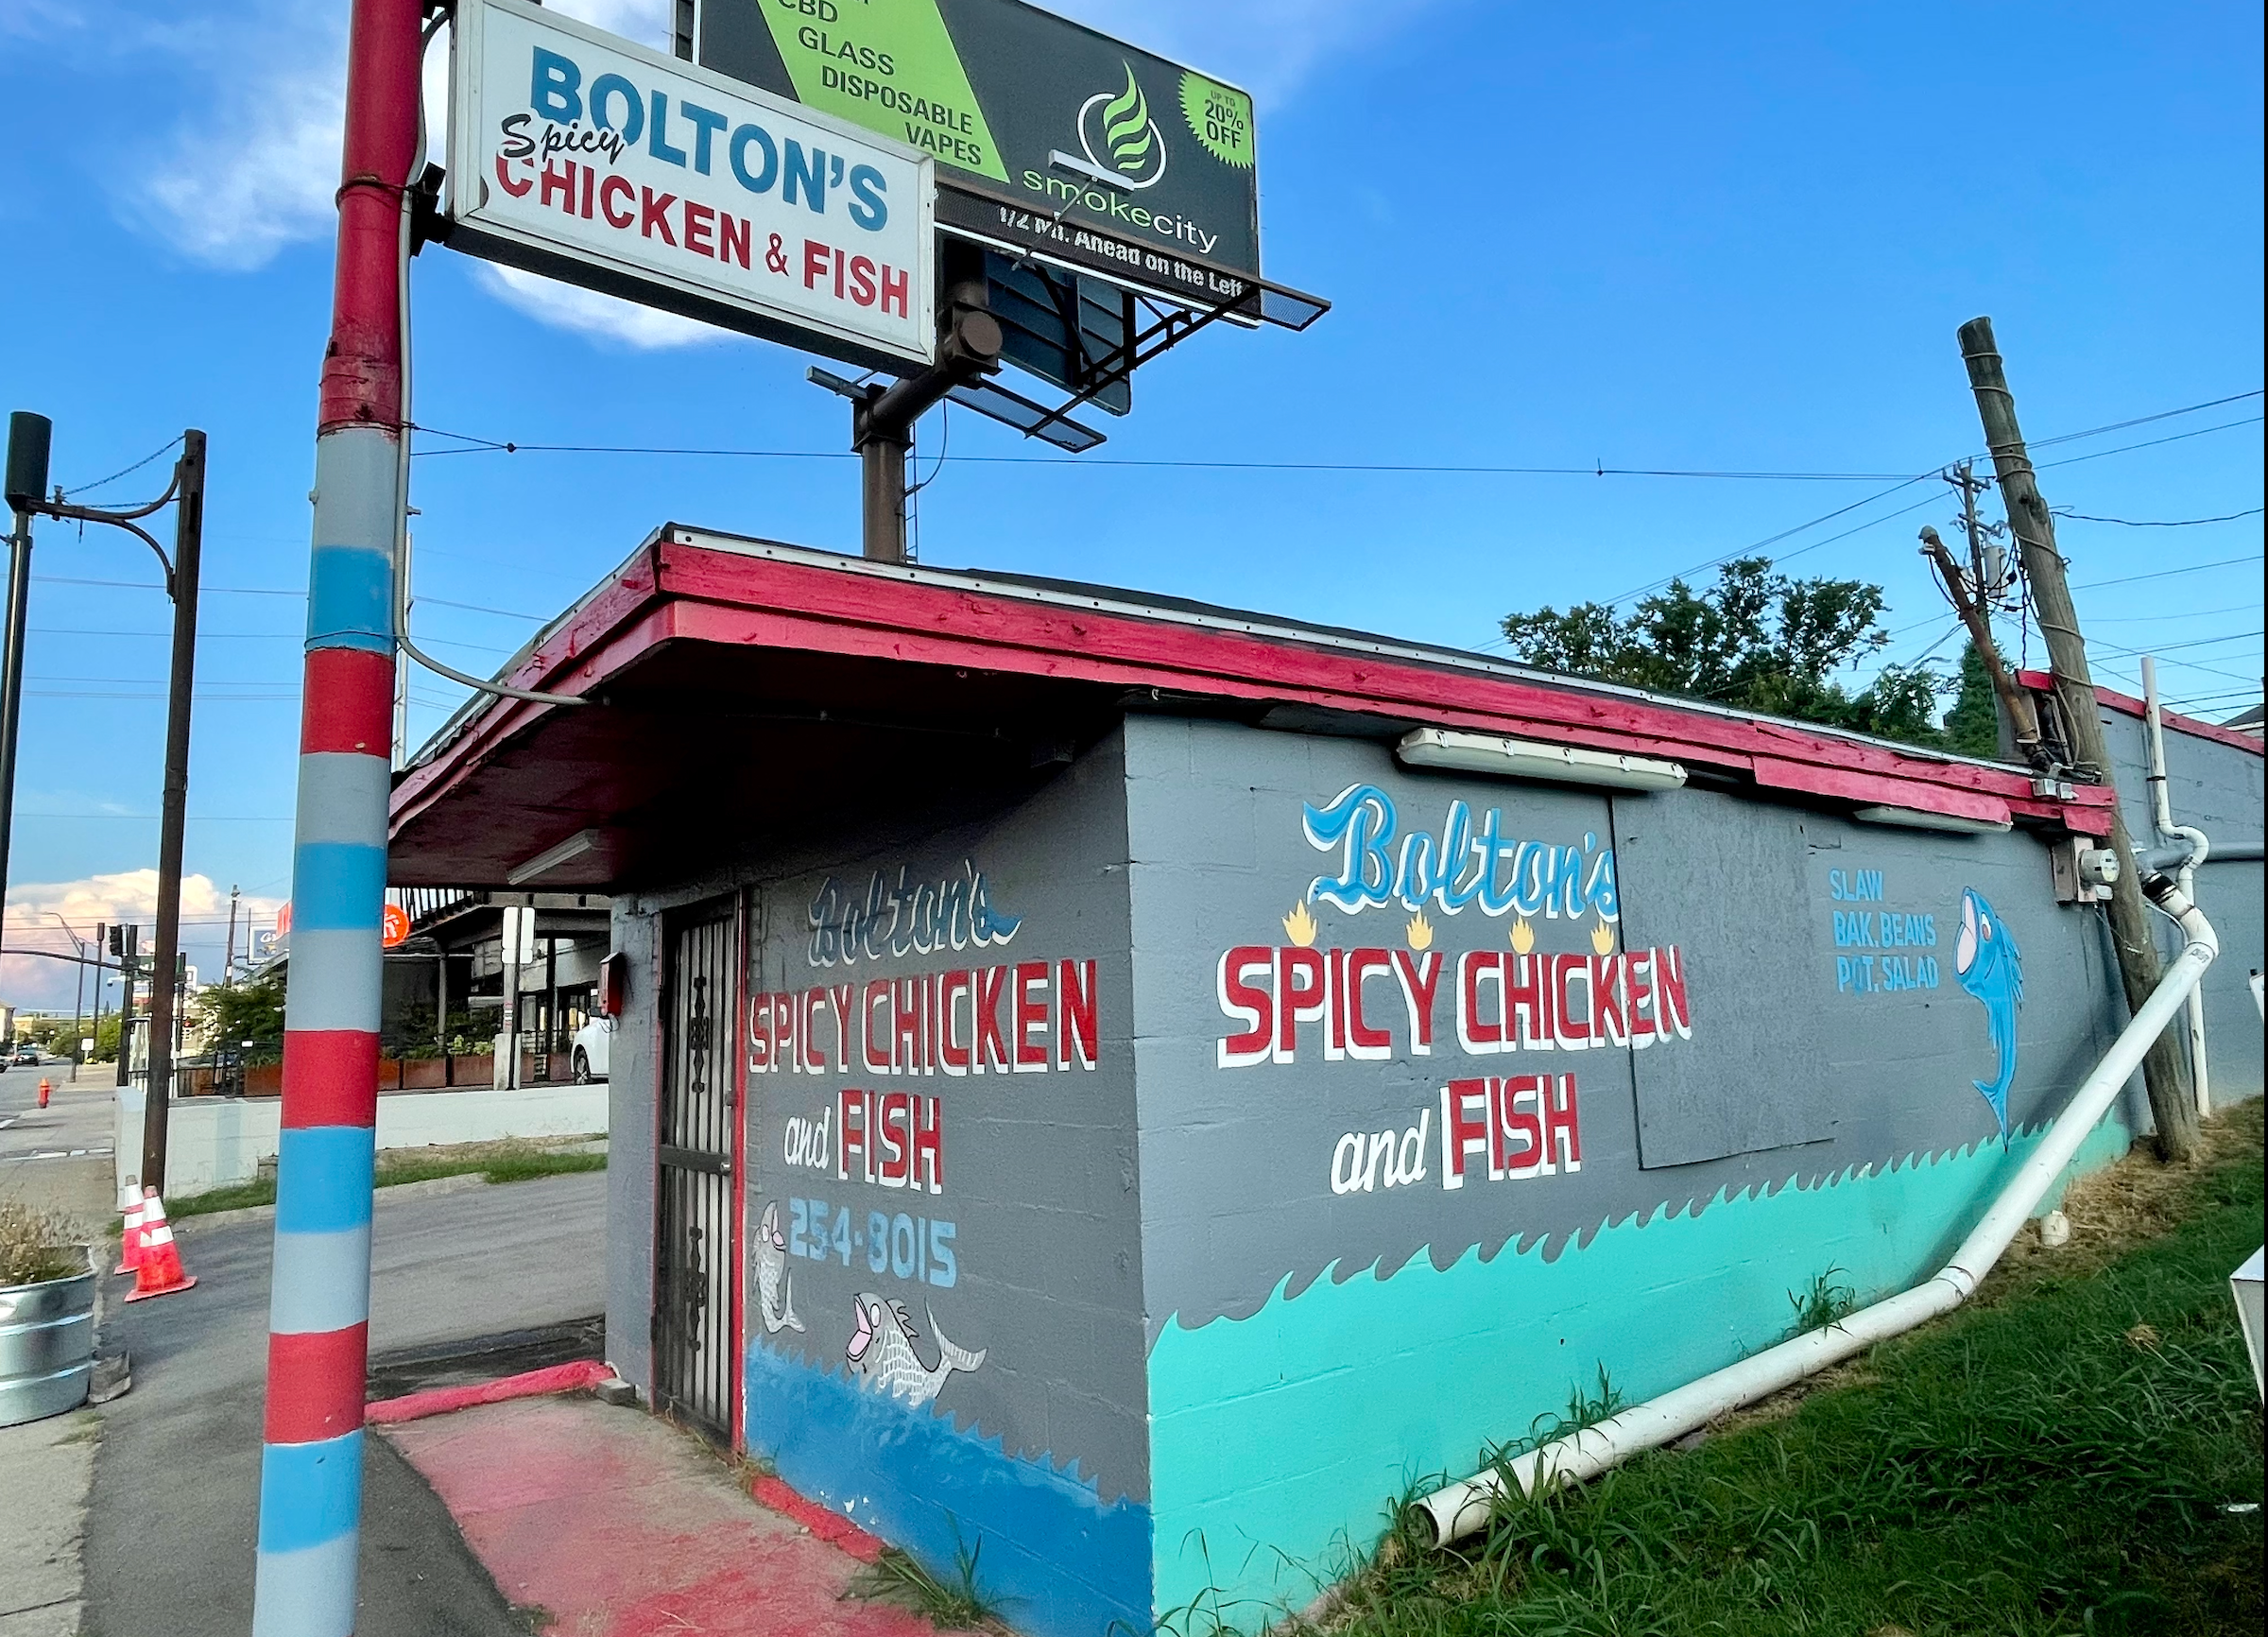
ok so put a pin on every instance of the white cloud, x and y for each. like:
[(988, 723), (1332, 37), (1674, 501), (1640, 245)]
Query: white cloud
[(257, 171), (588, 313), (130, 895)]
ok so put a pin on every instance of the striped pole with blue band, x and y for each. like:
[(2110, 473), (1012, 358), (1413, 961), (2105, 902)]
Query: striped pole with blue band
[(318, 1313)]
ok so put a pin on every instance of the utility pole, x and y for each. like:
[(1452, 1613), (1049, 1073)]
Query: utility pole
[(188, 554), (881, 425), (228, 959), (2022, 716), (2131, 932)]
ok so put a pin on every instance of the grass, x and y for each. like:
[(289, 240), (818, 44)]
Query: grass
[(897, 1579), (496, 1162), (2057, 1458)]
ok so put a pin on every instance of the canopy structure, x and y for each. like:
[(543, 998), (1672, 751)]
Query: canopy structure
[(744, 687)]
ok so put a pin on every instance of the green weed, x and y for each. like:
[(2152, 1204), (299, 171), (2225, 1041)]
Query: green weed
[(897, 1579), (1825, 1305)]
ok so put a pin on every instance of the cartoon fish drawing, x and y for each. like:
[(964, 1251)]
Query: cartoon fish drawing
[(775, 1284), (1991, 968), (882, 1350)]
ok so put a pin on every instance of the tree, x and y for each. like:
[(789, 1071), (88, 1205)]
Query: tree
[(1755, 639), (1972, 727), (246, 1017)]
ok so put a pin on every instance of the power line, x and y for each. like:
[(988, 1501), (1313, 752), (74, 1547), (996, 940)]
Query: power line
[(2167, 572), (125, 471), (2175, 522), (2152, 444), (2145, 420), (475, 445)]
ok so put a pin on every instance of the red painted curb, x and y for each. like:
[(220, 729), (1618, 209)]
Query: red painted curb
[(832, 1527), (574, 1377)]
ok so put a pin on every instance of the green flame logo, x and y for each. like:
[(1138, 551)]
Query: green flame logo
[(1127, 129)]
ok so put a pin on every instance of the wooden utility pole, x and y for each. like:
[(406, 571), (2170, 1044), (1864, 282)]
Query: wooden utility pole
[(2164, 1072)]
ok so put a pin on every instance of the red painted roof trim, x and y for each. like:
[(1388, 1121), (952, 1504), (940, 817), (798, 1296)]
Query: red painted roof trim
[(2126, 704), (805, 601)]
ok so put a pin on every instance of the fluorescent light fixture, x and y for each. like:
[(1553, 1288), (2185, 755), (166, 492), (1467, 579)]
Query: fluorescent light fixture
[(1915, 819), (1079, 167), (578, 845), (1505, 758)]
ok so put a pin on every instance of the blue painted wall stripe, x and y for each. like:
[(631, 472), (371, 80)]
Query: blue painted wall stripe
[(349, 599), (324, 1178), (309, 1494), (337, 885), (320, 1282)]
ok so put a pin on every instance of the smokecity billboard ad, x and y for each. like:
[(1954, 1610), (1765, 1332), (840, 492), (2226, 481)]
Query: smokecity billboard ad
[(586, 158), (1048, 136)]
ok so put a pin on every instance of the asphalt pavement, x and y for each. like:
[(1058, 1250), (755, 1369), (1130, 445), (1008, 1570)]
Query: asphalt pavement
[(171, 1522), (59, 1157)]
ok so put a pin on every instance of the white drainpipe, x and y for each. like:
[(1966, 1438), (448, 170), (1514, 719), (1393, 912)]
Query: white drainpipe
[(2161, 812), (1464, 1508)]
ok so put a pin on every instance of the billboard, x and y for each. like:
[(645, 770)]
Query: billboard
[(586, 158), (1048, 136)]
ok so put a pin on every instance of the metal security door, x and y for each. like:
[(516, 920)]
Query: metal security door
[(694, 1241)]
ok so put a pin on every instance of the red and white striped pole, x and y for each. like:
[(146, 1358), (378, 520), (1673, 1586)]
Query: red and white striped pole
[(311, 1462)]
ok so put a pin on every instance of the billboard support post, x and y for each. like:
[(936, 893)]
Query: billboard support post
[(881, 426), (318, 1330)]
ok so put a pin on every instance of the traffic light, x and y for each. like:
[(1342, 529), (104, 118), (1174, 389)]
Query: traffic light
[(29, 438)]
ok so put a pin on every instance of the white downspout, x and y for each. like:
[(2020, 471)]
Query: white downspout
[(2161, 812), (1463, 1508)]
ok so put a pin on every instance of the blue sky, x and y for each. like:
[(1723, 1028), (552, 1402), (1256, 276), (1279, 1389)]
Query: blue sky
[(1653, 236)]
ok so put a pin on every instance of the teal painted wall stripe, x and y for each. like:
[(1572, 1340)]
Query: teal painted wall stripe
[(1287, 1432)]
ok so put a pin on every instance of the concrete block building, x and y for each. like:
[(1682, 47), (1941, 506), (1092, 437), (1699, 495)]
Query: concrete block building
[(1137, 1084)]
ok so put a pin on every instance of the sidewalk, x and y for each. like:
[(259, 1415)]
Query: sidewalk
[(616, 1525), (45, 1468)]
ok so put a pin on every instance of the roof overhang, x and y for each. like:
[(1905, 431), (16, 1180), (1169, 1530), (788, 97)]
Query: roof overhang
[(743, 689)]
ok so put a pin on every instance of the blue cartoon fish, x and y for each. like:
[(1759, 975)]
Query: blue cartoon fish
[(1991, 968)]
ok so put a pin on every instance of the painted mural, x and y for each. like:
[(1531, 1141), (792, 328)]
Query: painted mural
[(1431, 1125), (1991, 968), (945, 1340)]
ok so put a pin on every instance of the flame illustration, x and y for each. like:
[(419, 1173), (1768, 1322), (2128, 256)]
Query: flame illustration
[(1299, 926), (1602, 937), (1420, 932), (1523, 935)]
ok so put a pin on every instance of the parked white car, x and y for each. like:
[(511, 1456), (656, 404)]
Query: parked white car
[(591, 1044)]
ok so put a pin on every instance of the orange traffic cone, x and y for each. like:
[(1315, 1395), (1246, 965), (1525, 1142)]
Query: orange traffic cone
[(135, 1208), (160, 1271)]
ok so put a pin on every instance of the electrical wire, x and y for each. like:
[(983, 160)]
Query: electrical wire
[(124, 471), (2167, 572), (2152, 444), (2138, 523)]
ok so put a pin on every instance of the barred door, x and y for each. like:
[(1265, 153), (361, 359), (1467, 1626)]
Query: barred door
[(694, 1242)]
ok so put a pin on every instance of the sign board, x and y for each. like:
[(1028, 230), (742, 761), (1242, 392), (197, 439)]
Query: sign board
[(592, 160), (1049, 137), (394, 928)]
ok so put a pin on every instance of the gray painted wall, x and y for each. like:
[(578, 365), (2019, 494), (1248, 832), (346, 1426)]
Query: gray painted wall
[(1040, 1186), (2218, 788), (1795, 1067)]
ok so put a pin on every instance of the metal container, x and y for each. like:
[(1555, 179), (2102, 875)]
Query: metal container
[(46, 1347)]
